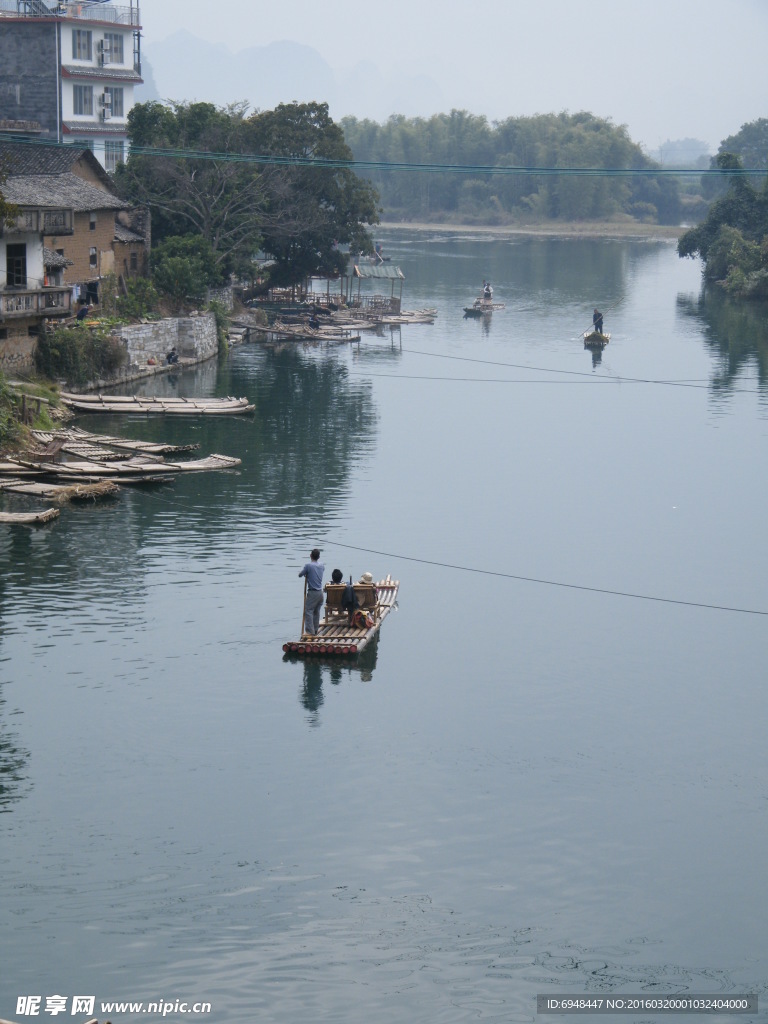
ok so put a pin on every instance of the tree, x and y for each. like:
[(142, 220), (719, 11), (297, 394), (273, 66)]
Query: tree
[(733, 239), (199, 169), (312, 210), (468, 143), (186, 165)]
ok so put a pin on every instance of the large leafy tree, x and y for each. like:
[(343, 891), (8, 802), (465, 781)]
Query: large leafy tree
[(202, 170), (733, 239), (186, 165), (316, 202)]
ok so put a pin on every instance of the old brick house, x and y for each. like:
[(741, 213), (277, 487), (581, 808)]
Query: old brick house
[(108, 235)]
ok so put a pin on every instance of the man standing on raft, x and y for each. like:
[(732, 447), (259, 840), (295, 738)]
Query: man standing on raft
[(313, 600)]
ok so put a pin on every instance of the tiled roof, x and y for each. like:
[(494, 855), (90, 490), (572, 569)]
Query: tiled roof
[(123, 234), (54, 261), (37, 157), (60, 191)]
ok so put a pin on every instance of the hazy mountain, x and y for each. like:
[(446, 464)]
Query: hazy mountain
[(184, 67)]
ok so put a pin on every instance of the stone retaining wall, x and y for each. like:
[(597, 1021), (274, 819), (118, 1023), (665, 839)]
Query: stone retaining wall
[(193, 337)]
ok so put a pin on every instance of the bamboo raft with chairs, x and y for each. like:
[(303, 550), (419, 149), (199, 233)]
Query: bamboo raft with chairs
[(337, 635)]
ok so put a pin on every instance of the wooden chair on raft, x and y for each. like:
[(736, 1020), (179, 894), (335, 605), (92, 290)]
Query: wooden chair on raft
[(366, 595)]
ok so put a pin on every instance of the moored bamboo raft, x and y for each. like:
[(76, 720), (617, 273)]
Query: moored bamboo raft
[(336, 636), (157, 404), (61, 494), (86, 445), (133, 466), (30, 518)]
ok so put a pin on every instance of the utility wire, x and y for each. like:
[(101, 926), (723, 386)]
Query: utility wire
[(570, 373), (550, 583), (508, 575), (271, 159)]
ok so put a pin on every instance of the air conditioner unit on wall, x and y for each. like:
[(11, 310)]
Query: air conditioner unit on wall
[(105, 52)]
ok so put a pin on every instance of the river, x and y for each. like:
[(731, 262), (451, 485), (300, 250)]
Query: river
[(549, 774)]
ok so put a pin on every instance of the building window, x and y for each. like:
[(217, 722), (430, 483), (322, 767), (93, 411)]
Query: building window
[(82, 44), (115, 102), (83, 100), (113, 48), (134, 262), (92, 224), (114, 153), (92, 257), (16, 264)]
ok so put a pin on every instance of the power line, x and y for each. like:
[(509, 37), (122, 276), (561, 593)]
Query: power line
[(550, 583), (569, 373), (275, 160)]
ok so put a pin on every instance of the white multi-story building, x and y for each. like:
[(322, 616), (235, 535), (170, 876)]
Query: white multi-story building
[(68, 71)]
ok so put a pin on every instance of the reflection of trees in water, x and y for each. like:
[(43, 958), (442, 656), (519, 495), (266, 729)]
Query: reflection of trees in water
[(312, 421), (442, 267), (13, 762), (736, 331)]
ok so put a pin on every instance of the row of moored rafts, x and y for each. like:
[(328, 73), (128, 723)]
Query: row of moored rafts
[(74, 465)]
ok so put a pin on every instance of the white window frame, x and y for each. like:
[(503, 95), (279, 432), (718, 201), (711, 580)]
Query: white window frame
[(82, 44), (82, 98), (116, 47)]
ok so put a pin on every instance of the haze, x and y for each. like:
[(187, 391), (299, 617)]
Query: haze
[(667, 69)]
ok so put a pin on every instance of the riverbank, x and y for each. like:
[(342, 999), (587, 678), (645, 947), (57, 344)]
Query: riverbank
[(630, 230)]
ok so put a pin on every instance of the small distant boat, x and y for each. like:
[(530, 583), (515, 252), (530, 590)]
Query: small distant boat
[(594, 339), (337, 636)]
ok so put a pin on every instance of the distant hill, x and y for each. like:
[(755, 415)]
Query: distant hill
[(183, 67)]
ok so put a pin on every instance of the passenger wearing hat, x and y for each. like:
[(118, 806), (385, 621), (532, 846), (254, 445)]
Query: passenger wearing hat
[(367, 579), (313, 600)]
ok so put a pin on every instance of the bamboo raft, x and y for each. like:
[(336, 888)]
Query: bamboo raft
[(336, 636), (133, 466), (80, 442), (30, 518), (56, 492), (157, 404), (593, 339)]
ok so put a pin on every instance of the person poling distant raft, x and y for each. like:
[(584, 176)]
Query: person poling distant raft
[(596, 338), (353, 616)]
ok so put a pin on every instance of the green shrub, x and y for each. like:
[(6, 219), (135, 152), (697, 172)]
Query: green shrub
[(79, 355), (141, 300), (222, 323), (9, 425)]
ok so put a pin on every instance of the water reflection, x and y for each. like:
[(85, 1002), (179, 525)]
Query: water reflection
[(737, 332), (332, 670), (13, 765)]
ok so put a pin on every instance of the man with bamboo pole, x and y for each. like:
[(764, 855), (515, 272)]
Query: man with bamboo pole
[(313, 592)]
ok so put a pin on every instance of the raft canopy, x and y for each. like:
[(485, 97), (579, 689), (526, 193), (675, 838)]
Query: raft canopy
[(381, 271)]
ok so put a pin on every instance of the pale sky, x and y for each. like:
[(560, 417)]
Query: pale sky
[(668, 69)]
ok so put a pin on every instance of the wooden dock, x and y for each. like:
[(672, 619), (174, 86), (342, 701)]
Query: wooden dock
[(337, 637)]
